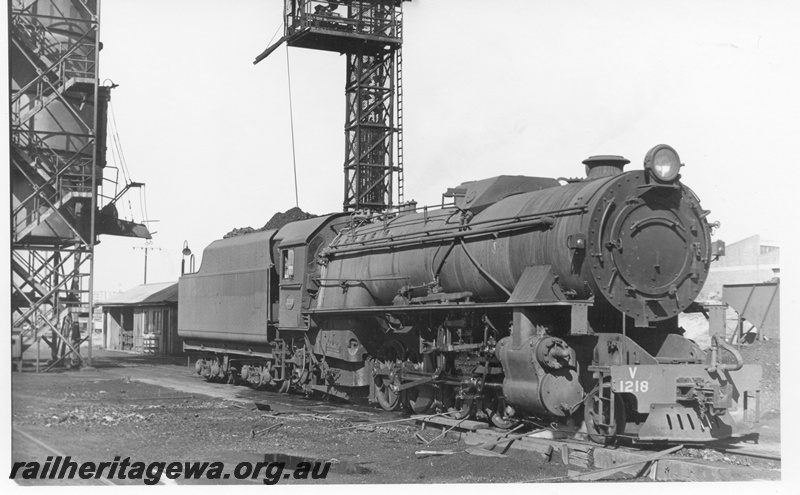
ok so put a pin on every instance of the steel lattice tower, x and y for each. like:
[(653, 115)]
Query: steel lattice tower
[(57, 154), (369, 33)]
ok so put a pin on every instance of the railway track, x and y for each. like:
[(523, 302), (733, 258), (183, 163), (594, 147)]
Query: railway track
[(587, 456), (51, 450), (31, 439), (747, 453), (659, 462), (376, 413)]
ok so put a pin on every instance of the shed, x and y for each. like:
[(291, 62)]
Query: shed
[(750, 261), (143, 320)]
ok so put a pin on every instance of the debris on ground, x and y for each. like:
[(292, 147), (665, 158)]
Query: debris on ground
[(435, 452), (93, 420), (715, 456), (254, 433)]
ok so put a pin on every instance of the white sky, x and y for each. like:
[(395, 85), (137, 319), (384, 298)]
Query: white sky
[(490, 87)]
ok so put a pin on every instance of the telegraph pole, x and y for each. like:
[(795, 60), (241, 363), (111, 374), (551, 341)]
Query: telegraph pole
[(147, 247)]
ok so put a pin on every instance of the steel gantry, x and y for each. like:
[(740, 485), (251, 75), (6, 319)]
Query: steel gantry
[(369, 33), (57, 155)]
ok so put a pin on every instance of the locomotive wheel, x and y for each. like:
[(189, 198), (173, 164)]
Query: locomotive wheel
[(461, 408), (496, 410), (419, 399), (602, 428), (387, 398)]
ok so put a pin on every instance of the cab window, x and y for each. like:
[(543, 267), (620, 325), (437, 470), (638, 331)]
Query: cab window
[(288, 263)]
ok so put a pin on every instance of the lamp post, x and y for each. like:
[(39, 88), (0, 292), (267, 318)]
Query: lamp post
[(186, 252)]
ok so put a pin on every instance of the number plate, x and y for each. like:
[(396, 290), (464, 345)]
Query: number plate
[(630, 383), (635, 386)]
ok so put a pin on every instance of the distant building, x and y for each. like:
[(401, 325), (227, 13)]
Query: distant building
[(98, 297), (751, 260), (143, 320)]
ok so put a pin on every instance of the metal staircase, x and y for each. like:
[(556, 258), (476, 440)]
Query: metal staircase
[(56, 170)]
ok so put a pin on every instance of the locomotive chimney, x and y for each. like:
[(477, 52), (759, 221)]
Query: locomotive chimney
[(604, 166)]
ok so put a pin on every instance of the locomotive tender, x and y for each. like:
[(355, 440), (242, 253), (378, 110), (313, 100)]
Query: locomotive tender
[(525, 298)]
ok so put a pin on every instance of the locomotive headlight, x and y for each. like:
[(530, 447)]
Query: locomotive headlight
[(663, 162)]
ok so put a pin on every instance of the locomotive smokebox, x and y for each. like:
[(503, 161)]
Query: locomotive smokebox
[(604, 166)]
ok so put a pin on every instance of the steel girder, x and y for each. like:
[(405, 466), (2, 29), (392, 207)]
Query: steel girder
[(369, 131)]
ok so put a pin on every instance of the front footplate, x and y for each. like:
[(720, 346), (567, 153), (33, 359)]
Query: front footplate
[(680, 423), (686, 402)]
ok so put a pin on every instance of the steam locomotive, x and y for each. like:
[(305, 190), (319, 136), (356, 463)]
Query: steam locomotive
[(549, 300)]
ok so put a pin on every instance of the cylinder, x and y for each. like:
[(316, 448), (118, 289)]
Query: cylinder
[(541, 376)]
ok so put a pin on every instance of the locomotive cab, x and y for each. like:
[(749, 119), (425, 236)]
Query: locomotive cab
[(297, 246)]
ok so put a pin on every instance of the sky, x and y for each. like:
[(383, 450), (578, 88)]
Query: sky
[(506, 87), (515, 87)]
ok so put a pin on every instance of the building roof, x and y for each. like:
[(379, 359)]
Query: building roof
[(143, 295)]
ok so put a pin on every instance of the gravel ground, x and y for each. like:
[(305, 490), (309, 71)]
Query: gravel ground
[(96, 414), (94, 418), (767, 353)]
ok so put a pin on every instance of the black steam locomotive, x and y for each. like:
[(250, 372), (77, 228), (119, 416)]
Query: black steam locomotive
[(545, 299)]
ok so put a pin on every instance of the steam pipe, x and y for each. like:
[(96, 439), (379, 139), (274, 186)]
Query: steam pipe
[(716, 343)]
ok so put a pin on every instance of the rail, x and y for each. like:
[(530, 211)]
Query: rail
[(457, 231)]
